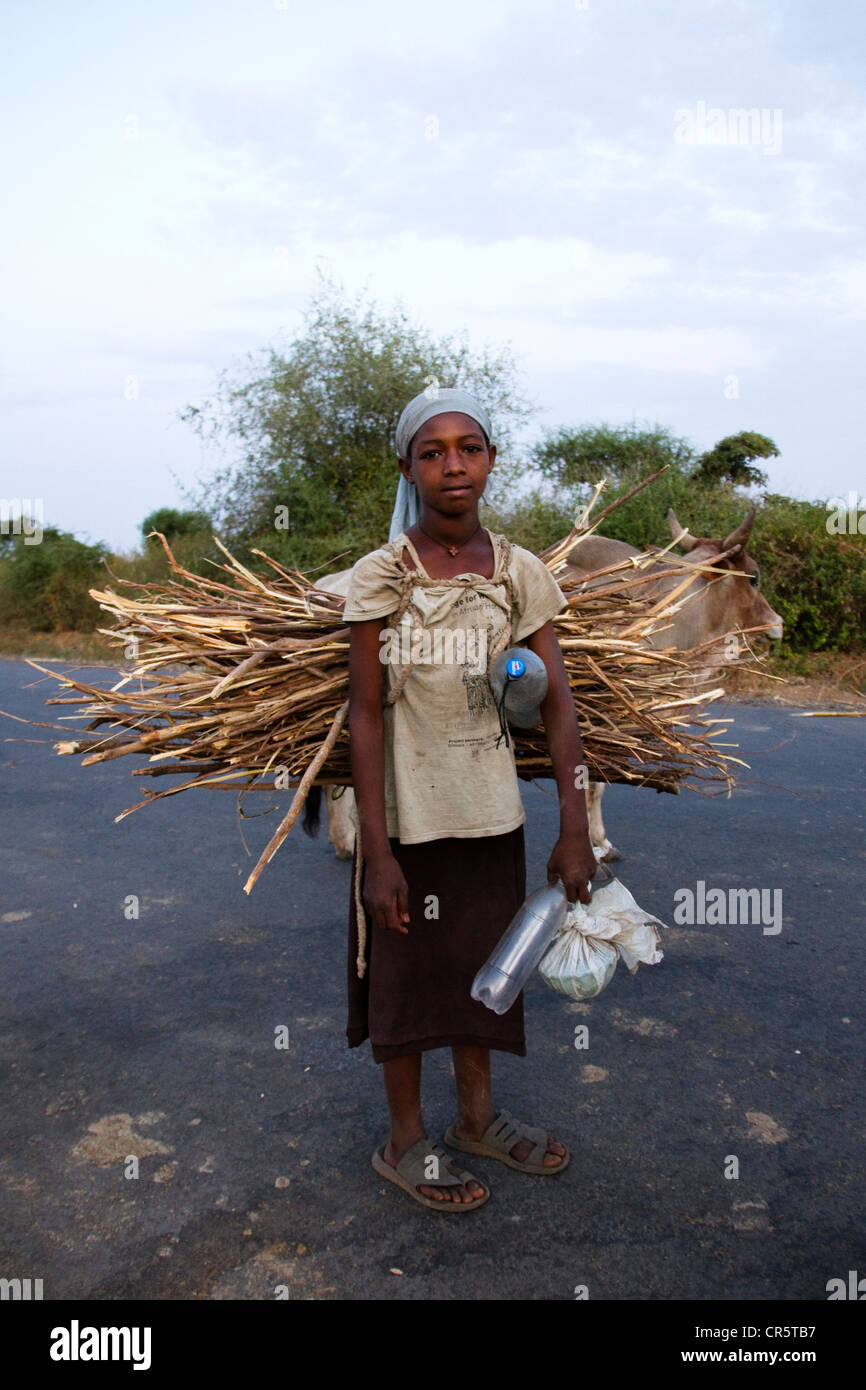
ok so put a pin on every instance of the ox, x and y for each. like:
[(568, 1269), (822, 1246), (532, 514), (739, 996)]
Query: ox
[(720, 604), (716, 606)]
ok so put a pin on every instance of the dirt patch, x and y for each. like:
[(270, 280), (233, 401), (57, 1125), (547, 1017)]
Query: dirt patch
[(750, 1215), (114, 1138), (764, 1129), (816, 680), (644, 1027), (274, 1273), (89, 648)]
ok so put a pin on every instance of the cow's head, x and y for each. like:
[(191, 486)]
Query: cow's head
[(735, 600)]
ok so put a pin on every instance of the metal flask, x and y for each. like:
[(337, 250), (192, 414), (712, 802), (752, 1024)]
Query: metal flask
[(538, 921)]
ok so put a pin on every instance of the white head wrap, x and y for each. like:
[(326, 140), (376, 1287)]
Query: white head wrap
[(434, 400)]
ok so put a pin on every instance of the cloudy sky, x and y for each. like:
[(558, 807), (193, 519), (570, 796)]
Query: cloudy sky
[(567, 177)]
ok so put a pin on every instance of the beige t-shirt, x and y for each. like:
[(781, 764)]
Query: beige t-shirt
[(444, 773)]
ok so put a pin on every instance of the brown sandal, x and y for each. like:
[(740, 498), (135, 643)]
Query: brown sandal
[(410, 1174), (501, 1135)]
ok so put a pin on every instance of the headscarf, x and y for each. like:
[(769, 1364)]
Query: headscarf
[(434, 400)]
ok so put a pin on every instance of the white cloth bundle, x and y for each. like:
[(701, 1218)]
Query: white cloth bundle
[(583, 957)]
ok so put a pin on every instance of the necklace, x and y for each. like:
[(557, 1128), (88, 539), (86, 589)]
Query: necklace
[(452, 549)]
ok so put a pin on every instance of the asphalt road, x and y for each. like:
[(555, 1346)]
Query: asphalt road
[(155, 1037)]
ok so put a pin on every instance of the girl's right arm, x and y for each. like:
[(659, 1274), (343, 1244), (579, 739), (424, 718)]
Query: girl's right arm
[(386, 893)]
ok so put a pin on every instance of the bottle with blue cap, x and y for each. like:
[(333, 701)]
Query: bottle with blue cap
[(518, 678)]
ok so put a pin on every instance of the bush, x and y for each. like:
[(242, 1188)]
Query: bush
[(44, 586), (535, 521), (815, 580), (172, 523), (150, 564)]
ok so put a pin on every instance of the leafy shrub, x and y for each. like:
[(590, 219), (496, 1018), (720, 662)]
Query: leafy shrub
[(45, 586)]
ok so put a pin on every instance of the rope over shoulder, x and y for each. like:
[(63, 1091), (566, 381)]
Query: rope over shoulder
[(411, 579)]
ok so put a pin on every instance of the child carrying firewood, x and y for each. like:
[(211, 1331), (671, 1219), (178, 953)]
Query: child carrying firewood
[(440, 868)]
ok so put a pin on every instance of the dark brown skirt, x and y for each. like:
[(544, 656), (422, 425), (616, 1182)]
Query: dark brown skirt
[(415, 993)]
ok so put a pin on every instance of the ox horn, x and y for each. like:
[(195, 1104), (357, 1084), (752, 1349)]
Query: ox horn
[(742, 532), (679, 533)]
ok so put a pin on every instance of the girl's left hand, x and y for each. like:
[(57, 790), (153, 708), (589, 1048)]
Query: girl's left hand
[(573, 861)]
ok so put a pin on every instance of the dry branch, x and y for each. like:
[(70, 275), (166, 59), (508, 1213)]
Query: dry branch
[(241, 682)]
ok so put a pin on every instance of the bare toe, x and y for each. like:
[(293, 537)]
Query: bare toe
[(461, 1193), (555, 1152)]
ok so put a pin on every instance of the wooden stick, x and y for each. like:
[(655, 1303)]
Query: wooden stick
[(299, 798)]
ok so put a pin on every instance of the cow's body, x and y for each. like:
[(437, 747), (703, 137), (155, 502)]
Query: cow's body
[(712, 608)]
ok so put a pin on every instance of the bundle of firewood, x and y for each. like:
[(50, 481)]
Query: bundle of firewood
[(240, 681)]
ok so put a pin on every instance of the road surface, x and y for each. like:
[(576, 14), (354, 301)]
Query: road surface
[(155, 1037)]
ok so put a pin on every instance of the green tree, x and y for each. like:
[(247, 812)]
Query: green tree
[(702, 489), (316, 426), (172, 522), (45, 587), (572, 458), (730, 461)]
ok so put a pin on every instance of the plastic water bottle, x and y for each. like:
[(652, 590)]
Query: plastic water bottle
[(538, 921), (522, 675)]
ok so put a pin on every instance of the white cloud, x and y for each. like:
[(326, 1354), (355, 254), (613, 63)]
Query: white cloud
[(562, 347), (746, 219), (553, 209)]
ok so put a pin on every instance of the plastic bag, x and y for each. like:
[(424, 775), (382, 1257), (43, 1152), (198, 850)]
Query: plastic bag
[(583, 957)]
